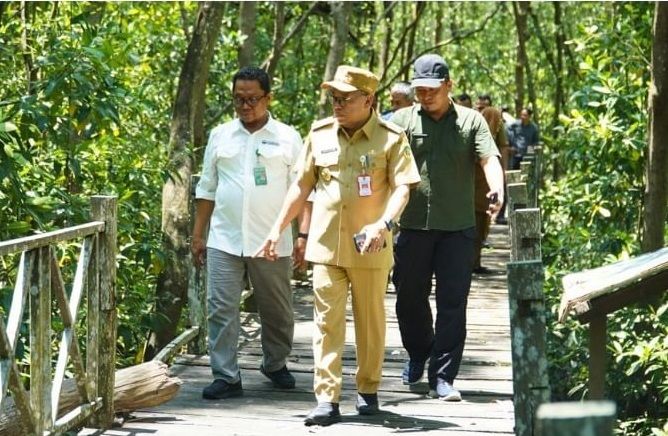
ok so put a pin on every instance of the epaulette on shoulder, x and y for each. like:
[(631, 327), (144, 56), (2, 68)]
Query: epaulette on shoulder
[(389, 125), (322, 123)]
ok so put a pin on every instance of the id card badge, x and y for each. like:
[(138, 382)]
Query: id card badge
[(260, 176), (364, 185)]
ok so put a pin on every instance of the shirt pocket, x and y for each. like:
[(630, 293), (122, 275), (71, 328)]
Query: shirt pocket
[(228, 150), (273, 153), (327, 165)]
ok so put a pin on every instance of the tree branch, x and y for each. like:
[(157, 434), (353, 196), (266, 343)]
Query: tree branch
[(459, 37)]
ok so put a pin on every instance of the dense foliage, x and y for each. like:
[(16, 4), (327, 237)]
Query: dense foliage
[(95, 116)]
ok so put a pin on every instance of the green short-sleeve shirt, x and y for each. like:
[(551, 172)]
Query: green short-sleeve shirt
[(446, 152)]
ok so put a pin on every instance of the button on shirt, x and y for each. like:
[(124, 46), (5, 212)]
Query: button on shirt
[(332, 162), (244, 211), (446, 152)]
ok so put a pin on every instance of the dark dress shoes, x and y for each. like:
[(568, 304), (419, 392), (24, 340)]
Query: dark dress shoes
[(220, 389), (324, 414), (282, 378)]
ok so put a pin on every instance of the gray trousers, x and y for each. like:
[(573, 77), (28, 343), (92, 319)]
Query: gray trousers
[(271, 284)]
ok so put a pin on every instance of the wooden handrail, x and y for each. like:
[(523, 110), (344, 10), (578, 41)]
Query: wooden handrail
[(43, 239), (39, 280)]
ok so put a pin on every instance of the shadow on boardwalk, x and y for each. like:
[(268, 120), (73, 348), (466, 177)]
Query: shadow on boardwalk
[(485, 379)]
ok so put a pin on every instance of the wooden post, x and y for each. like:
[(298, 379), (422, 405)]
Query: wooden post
[(514, 176), (525, 234), (40, 340), (517, 197), (103, 208), (527, 319), (527, 322), (196, 289), (597, 352), (588, 418), (527, 167)]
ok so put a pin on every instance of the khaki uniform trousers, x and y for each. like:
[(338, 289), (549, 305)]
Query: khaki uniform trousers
[(330, 286)]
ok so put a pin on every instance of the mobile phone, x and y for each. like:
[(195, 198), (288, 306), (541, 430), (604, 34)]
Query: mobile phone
[(358, 241)]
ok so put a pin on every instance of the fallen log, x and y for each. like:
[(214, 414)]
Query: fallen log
[(140, 386)]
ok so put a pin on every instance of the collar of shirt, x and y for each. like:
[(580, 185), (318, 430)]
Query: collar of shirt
[(368, 129), (269, 126)]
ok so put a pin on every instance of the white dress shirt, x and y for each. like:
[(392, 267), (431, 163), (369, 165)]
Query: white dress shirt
[(244, 212)]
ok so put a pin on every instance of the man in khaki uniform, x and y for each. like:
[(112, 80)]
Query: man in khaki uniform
[(361, 169)]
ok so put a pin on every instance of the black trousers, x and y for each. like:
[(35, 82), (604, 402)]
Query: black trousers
[(419, 256)]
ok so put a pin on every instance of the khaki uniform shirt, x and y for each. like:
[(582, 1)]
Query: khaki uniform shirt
[(331, 163)]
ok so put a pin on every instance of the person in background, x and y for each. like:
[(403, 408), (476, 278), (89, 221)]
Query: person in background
[(361, 168), (245, 176), (438, 225), (465, 100), (483, 101), (508, 119), (522, 134), (401, 95), (482, 217)]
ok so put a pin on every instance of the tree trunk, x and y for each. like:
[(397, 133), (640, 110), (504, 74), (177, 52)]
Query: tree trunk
[(276, 46), (247, 18), (656, 187), (136, 387), (171, 292), (279, 41), (559, 100), (337, 45), (519, 13), (418, 8)]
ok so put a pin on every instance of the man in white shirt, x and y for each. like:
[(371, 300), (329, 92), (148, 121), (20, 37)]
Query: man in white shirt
[(246, 174)]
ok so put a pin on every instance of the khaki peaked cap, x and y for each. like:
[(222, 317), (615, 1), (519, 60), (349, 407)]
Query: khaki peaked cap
[(349, 79)]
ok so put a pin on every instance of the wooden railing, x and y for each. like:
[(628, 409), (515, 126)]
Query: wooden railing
[(525, 294), (38, 283)]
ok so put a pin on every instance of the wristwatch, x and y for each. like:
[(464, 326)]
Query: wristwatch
[(389, 224), (302, 235)]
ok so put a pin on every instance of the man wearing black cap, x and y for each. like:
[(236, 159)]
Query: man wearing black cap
[(438, 225)]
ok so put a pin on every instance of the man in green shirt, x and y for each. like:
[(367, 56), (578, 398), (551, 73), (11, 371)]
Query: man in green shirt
[(438, 225)]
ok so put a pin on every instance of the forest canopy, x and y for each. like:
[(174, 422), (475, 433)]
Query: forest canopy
[(89, 100)]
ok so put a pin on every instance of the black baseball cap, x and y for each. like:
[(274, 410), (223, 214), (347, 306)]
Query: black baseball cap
[(430, 70)]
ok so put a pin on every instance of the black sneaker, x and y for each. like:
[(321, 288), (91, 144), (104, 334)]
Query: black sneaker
[(220, 389), (282, 378), (413, 372), (482, 270), (367, 404), (324, 414)]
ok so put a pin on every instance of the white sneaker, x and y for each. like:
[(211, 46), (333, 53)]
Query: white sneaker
[(445, 392)]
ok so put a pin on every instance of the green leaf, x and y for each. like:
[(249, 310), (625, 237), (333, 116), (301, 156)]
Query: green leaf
[(8, 126)]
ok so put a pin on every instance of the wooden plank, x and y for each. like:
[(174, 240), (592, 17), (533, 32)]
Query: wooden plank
[(68, 343), (44, 239), (597, 359), (594, 283), (514, 176), (40, 341), (525, 235), (103, 208), (93, 321), (647, 290), (527, 320), (588, 418), (11, 379)]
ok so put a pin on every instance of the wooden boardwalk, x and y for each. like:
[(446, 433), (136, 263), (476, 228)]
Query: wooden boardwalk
[(485, 379)]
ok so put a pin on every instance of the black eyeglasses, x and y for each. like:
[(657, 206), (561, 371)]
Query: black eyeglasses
[(336, 100), (250, 101)]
